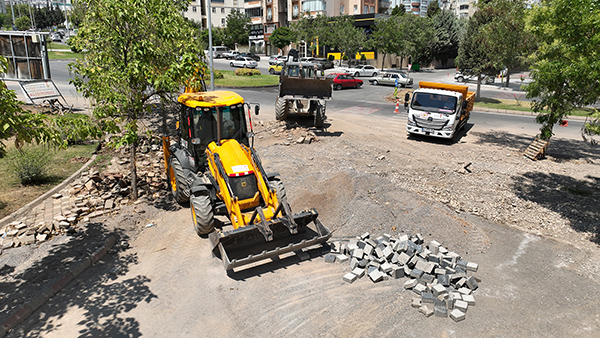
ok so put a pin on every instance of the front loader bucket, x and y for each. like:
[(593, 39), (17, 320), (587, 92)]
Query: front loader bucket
[(247, 244)]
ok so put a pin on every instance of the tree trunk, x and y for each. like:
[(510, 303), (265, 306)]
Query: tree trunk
[(478, 95), (507, 77), (383, 61), (165, 130), (134, 191)]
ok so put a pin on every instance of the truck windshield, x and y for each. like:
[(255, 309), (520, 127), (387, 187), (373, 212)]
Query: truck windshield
[(434, 103)]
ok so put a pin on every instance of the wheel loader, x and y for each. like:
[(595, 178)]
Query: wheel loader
[(214, 167)]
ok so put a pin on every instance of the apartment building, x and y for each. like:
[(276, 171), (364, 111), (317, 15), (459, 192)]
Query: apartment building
[(219, 10)]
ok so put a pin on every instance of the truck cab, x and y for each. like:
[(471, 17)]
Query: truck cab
[(438, 110)]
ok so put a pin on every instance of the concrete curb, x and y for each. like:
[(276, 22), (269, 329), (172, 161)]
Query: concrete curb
[(29, 308), (27, 207), (524, 113), (248, 87)]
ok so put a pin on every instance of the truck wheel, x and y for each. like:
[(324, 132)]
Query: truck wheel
[(202, 214), (179, 184), (279, 190), (281, 109), (319, 115)]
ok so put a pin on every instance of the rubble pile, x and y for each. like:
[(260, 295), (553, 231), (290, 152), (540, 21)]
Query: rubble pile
[(292, 132), (91, 195), (441, 279)]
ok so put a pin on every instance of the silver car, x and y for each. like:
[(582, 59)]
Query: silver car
[(391, 78), (243, 62)]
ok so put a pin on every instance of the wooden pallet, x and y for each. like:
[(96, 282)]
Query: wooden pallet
[(536, 150)]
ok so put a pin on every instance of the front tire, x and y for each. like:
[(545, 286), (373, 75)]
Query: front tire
[(376, 82), (338, 87), (281, 109), (177, 181), (271, 71), (231, 64), (356, 74), (279, 190), (202, 214), (460, 79), (320, 115), (374, 74)]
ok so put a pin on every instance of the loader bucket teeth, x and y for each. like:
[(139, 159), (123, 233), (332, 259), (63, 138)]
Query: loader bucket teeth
[(247, 245)]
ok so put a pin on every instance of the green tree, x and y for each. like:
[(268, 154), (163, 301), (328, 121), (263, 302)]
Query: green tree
[(16, 122), (341, 34), (444, 45), (237, 29), (56, 16), (504, 35), (137, 50), (566, 66), (398, 10), (282, 37), (433, 9), (419, 33), (387, 37), (23, 23)]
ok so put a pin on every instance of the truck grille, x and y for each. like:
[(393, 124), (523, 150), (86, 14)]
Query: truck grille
[(433, 124)]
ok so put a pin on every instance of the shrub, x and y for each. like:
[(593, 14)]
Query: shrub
[(345, 58), (29, 164), (218, 75), (363, 57), (77, 128), (246, 72), (331, 57)]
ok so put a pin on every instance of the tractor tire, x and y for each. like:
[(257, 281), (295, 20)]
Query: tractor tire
[(179, 184), (281, 109), (319, 115), (202, 214), (279, 189)]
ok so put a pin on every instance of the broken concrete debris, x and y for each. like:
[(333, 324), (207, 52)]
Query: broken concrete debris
[(439, 277)]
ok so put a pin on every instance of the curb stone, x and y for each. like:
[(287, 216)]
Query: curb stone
[(28, 308), (29, 206)]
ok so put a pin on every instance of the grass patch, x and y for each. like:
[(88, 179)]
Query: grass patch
[(230, 79), (524, 106), (67, 54), (62, 164), (61, 46)]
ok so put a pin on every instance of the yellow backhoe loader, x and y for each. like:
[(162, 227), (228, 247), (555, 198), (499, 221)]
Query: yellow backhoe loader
[(214, 167)]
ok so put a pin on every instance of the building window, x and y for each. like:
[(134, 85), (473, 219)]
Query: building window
[(269, 14), (295, 10), (222, 10), (464, 7), (341, 9), (355, 9), (214, 10), (223, 21), (372, 9), (194, 9)]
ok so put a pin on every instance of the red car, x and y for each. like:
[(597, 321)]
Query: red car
[(344, 80)]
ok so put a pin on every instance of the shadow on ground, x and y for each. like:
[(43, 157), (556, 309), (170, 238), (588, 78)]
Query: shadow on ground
[(559, 149), (102, 303), (574, 199)]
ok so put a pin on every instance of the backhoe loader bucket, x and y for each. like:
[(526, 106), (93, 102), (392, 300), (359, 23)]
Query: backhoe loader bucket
[(247, 244)]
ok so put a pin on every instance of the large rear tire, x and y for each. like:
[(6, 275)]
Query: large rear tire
[(279, 190), (281, 109), (179, 184), (319, 115), (202, 214)]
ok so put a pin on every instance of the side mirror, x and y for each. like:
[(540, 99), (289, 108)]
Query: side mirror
[(406, 104), (465, 104), (256, 109), (406, 98)]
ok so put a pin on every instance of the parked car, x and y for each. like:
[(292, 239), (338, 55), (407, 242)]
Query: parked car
[(307, 59), (231, 55), (343, 80), (366, 70), (245, 62), (324, 63), (276, 68), (217, 51), (55, 37), (251, 55), (391, 78), (275, 59), (468, 75)]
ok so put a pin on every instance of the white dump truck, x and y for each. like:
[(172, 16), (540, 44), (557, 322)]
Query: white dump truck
[(438, 109)]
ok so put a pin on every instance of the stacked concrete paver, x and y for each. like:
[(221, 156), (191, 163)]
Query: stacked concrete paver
[(441, 279)]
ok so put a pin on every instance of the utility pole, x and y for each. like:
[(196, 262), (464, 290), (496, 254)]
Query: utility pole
[(210, 49), (12, 9)]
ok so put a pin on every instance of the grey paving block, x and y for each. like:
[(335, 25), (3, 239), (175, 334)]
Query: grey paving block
[(457, 315), (411, 283), (353, 263), (426, 278), (424, 253), (469, 299), (416, 302), (365, 236), (371, 268), (403, 238), (359, 272), (440, 309), (426, 310), (443, 279), (368, 250), (461, 305), (378, 252), (462, 263), (363, 263), (397, 271), (419, 238), (438, 289), (416, 273), (376, 276), (387, 237), (388, 252), (443, 250), (403, 258), (329, 258), (472, 283), (427, 297), (413, 261), (472, 266), (352, 245), (439, 271), (464, 291), (386, 267), (361, 244), (350, 277), (395, 257), (342, 258), (461, 282), (358, 253), (402, 246), (407, 270), (419, 288), (335, 247), (302, 255), (371, 242), (421, 265), (434, 259)]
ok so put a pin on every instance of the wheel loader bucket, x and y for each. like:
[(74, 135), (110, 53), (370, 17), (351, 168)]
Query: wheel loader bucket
[(247, 244)]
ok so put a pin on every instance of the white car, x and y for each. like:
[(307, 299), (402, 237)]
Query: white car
[(366, 70), (243, 62), (275, 59), (231, 55), (391, 78)]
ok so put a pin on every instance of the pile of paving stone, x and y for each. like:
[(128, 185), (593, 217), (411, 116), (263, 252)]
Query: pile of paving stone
[(291, 131), (442, 280), (91, 195)]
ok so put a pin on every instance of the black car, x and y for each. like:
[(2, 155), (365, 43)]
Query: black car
[(251, 55)]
